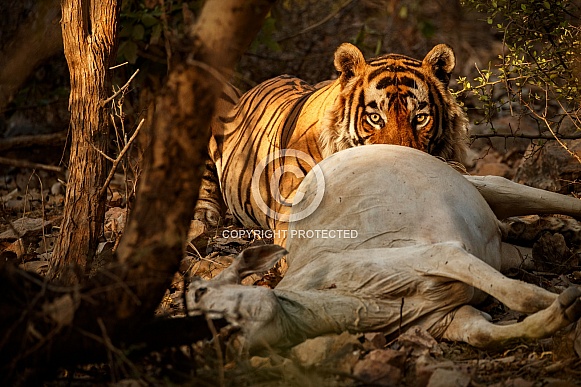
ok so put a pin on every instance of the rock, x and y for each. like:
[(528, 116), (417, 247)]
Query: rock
[(340, 352), (56, 189), (419, 341), (492, 162), (553, 382), (526, 230), (495, 169), (374, 340), (381, 367), (552, 167), (260, 362), (551, 253), (425, 366), (444, 378), (26, 227), (115, 219), (517, 382)]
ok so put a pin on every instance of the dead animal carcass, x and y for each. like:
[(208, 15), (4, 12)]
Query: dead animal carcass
[(399, 238)]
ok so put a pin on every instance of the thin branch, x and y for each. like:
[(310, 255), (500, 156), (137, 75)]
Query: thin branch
[(505, 66), (29, 164), (105, 155), (574, 117), (317, 24), (119, 65), (562, 143), (218, 349), (548, 137), (33, 140), (123, 88), (543, 117), (191, 245), (119, 158), (112, 350)]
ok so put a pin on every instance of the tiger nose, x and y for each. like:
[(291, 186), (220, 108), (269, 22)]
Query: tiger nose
[(401, 134)]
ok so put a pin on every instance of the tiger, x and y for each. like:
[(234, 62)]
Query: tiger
[(390, 99)]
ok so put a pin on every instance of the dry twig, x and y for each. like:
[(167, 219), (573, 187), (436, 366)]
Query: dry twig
[(29, 164)]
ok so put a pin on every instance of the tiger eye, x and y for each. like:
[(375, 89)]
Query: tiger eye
[(421, 118), (375, 118)]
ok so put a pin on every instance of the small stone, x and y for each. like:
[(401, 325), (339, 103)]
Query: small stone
[(56, 189), (444, 378)]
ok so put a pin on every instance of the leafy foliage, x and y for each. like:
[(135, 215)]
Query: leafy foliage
[(539, 69), (146, 27)]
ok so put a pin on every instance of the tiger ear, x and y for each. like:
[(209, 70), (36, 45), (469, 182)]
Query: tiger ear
[(441, 60), (349, 61)]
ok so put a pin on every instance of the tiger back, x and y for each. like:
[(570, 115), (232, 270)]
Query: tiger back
[(284, 126)]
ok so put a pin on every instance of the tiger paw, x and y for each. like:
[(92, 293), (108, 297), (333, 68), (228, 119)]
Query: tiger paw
[(208, 215)]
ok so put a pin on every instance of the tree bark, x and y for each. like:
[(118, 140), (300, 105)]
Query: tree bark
[(67, 325), (154, 240), (89, 34), (37, 39)]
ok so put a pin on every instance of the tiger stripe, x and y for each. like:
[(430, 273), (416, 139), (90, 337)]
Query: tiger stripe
[(391, 99)]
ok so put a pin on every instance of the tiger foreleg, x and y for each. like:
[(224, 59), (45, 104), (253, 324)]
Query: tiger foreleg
[(210, 203)]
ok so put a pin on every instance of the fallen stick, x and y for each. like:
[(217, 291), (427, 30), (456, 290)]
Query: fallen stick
[(33, 140), (29, 164)]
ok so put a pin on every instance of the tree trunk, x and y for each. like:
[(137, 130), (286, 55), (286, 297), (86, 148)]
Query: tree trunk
[(154, 240), (37, 39), (119, 301), (89, 33)]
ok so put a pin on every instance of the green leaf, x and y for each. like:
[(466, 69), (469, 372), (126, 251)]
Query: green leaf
[(149, 20), (126, 31), (128, 50), (155, 34), (403, 12), (138, 32)]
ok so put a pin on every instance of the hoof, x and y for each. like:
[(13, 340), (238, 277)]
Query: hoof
[(570, 301)]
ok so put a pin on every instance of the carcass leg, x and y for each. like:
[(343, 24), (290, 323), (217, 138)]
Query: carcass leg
[(471, 325), (507, 198)]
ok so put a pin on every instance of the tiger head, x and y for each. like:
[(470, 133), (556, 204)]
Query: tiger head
[(394, 99)]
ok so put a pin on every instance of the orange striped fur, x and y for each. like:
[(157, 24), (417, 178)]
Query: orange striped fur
[(392, 99)]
